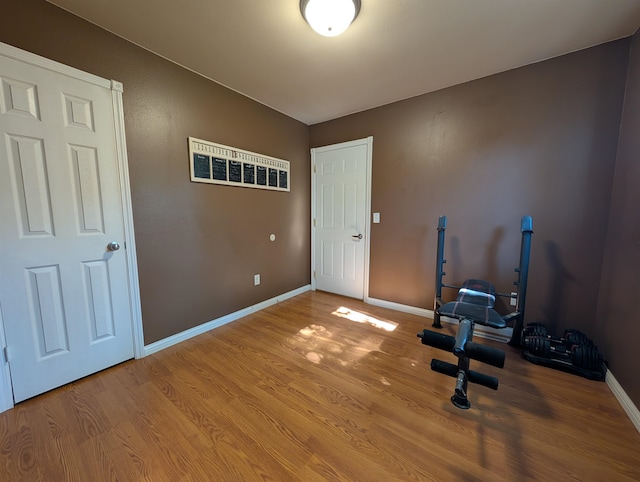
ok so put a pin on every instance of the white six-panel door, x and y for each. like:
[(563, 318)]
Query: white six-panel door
[(341, 217), (64, 294)]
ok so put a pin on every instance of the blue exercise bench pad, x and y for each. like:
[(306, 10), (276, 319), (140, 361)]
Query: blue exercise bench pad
[(475, 302)]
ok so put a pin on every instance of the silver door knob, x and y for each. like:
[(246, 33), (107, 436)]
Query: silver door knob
[(113, 246), (356, 236)]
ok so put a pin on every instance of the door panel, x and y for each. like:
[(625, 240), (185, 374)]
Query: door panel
[(64, 295), (341, 183), (47, 312), (28, 175)]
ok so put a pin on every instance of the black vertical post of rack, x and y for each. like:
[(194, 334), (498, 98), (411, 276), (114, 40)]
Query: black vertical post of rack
[(526, 227), (440, 261)]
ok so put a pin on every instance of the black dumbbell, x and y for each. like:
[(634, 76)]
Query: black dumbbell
[(581, 356), (571, 337)]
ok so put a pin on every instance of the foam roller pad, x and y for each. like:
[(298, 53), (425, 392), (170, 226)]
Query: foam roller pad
[(437, 340), (485, 354)]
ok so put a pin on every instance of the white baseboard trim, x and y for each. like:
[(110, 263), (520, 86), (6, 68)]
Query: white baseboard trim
[(503, 335), (210, 325), (414, 310), (624, 400)]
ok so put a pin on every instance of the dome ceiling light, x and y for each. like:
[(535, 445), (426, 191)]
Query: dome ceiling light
[(330, 17)]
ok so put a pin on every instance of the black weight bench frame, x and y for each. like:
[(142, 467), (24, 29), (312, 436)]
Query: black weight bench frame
[(474, 305)]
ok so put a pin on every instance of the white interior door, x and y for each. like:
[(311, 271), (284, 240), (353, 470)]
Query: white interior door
[(64, 294), (341, 224)]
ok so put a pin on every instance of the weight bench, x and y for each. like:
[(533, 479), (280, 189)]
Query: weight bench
[(474, 304)]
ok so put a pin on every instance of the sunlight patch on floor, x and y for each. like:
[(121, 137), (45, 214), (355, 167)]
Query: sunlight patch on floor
[(359, 317), (341, 345), (384, 381)]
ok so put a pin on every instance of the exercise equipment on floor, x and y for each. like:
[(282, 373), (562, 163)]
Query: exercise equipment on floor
[(574, 352), (571, 337), (474, 305)]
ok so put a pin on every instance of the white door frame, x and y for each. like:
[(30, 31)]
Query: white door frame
[(6, 389), (368, 141)]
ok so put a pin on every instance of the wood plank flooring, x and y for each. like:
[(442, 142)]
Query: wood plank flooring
[(299, 392)]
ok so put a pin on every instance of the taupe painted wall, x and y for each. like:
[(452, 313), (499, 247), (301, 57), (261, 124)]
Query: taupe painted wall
[(539, 140), (198, 245), (618, 320)]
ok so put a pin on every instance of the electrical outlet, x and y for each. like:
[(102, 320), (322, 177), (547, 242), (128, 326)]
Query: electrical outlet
[(513, 299), (256, 279)]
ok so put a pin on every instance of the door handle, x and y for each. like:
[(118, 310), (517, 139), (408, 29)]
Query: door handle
[(356, 236), (113, 246)]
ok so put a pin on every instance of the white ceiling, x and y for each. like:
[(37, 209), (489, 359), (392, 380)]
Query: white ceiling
[(394, 50)]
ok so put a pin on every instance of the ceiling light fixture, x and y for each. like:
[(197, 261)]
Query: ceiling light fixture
[(330, 17)]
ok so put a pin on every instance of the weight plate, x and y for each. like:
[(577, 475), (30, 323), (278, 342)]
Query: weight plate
[(586, 357), (574, 337), (538, 346), (535, 329)]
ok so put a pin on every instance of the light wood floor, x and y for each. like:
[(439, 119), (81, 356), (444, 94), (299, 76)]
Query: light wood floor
[(296, 392)]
